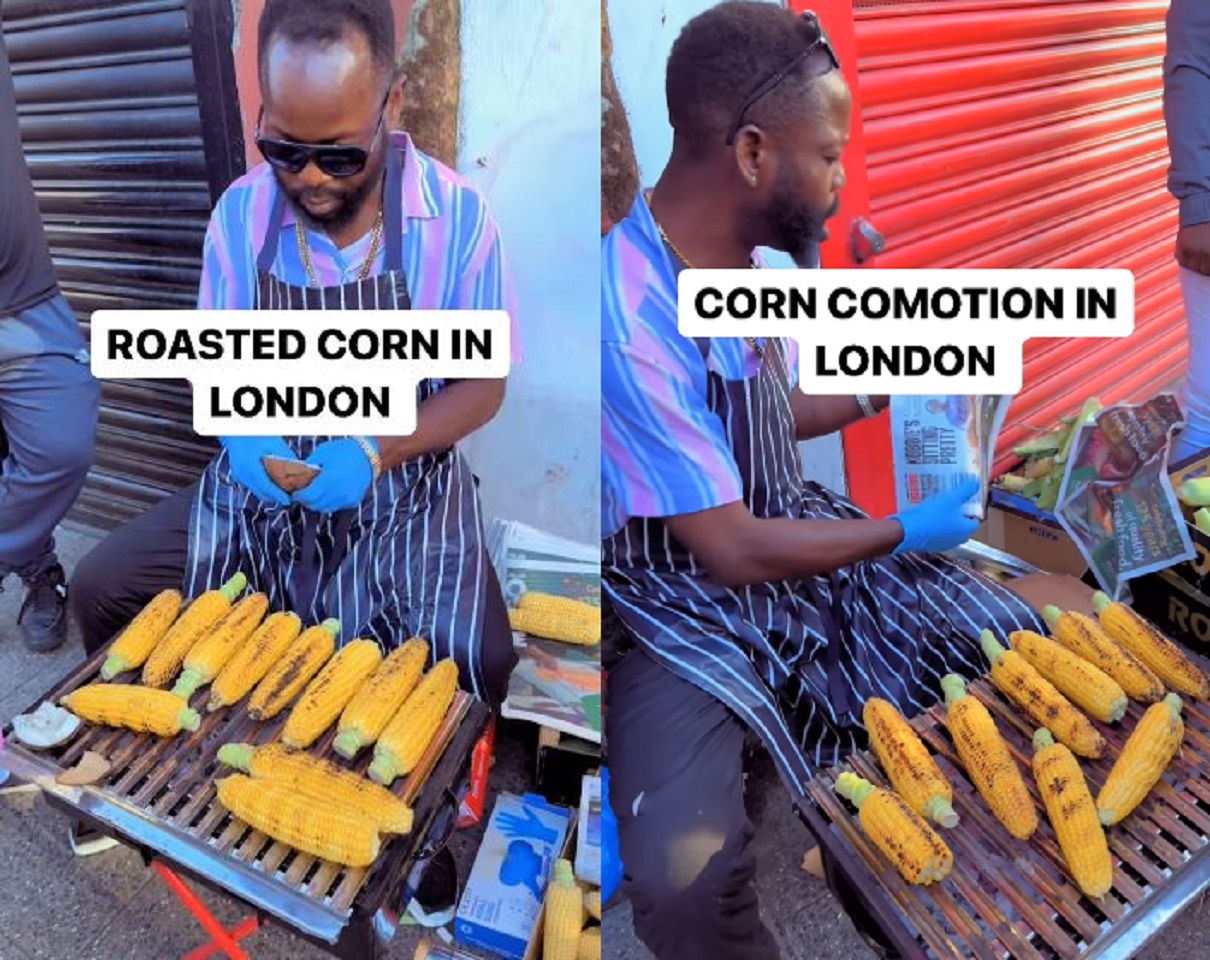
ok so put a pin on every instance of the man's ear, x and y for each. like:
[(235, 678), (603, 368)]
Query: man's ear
[(396, 100)]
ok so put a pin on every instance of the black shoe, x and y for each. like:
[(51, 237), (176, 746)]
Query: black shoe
[(43, 616)]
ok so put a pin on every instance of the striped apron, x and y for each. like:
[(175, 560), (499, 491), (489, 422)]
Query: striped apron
[(410, 560), (797, 659)]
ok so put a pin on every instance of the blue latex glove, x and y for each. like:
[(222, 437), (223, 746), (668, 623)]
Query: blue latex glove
[(244, 454), (529, 827), (938, 524), (344, 478), (611, 854)]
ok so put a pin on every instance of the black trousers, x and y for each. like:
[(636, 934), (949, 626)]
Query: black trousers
[(147, 555)]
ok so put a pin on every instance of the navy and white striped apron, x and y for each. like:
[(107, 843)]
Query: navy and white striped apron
[(796, 660), (409, 560)]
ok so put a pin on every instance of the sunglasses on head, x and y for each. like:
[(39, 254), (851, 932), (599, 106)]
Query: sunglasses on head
[(767, 86), (336, 160)]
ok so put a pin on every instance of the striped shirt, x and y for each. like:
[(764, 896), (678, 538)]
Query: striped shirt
[(663, 451), (452, 252)]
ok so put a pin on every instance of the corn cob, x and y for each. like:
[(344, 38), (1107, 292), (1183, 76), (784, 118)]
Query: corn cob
[(321, 779), (904, 837), (165, 660), (141, 709), (1073, 814), (590, 944), (145, 631), (1163, 657), (1081, 635), (557, 618), (987, 760), (330, 692), (1090, 689), (380, 698), (248, 665), (564, 915), (208, 656), (1036, 696), (909, 766), (407, 736), (305, 658), (312, 826), (592, 903), (1148, 751)]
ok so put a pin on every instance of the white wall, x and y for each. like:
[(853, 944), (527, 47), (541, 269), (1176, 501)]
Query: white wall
[(643, 32), (530, 137)]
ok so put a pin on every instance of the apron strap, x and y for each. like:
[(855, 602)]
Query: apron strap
[(832, 615), (392, 210), (268, 250)]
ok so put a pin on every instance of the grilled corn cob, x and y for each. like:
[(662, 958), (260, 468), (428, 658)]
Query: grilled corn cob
[(1163, 657), (305, 658), (1148, 751), (564, 915), (145, 631), (557, 618), (1093, 691), (318, 778), (1080, 634), (312, 826), (1073, 814), (987, 760), (380, 697), (141, 709), (407, 736), (592, 903), (904, 837), (1036, 696), (248, 665), (330, 692), (590, 944), (165, 660), (909, 766), (208, 656)]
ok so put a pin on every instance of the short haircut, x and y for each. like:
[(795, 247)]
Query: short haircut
[(723, 54), (327, 21)]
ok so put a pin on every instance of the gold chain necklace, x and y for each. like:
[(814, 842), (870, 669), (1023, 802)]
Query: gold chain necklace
[(750, 341), (305, 251)]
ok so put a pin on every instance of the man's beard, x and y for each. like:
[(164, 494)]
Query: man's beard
[(350, 202), (796, 226)]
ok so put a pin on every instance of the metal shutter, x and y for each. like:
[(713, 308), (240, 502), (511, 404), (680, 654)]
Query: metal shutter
[(130, 124)]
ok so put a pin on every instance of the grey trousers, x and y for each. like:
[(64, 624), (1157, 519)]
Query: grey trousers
[(48, 421)]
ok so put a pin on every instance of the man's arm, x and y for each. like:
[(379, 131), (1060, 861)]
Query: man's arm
[(820, 416), (228, 279), (1187, 119)]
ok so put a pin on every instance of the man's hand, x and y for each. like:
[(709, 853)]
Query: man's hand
[(1193, 248), (345, 475), (245, 455), (938, 523)]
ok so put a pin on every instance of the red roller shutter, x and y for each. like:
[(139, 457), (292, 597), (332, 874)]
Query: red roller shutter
[(1022, 134)]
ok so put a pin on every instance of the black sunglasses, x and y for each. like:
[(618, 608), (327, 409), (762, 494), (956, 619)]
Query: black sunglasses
[(336, 160), (766, 86)]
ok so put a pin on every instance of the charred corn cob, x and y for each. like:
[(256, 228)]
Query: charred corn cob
[(248, 665), (1036, 696), (592, 903), (322, 780), (208, 656), (312, 826), (590, 944), (904, 837), (145, 631), (1163, 657), (305, 658), (330, 692), (407, 736), (165, 660), (142, 709), (1090, 689), (909, 766), (564, 915), (1082, 635), (557, 618), (987, 760), (1148, 751), (1073, 814), (380, 697)]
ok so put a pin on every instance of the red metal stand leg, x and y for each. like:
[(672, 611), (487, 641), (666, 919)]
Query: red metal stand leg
[(221, 938)]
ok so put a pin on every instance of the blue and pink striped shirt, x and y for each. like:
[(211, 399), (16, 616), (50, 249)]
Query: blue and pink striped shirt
[(663, 451), (452, 253)]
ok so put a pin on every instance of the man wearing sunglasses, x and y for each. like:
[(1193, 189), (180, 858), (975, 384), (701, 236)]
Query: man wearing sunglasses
[(344, 214), (742, 600)]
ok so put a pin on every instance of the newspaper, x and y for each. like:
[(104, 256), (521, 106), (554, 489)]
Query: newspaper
[(941, 442), (1117, 502)]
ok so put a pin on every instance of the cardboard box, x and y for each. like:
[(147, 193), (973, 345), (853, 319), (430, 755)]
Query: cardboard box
[(1016, 526)]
